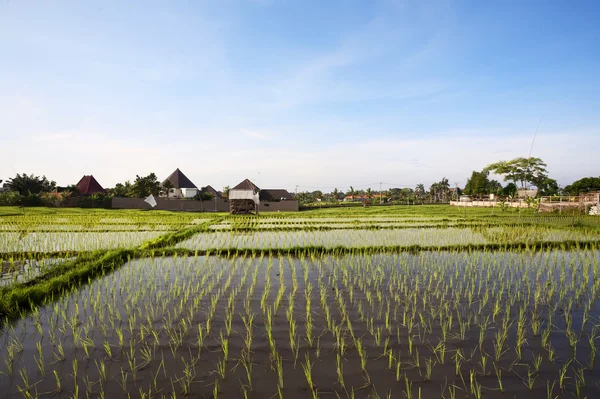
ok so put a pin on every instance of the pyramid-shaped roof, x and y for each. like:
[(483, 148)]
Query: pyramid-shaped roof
[(210, 190), (88, 185), (179, 180), (246, 185)]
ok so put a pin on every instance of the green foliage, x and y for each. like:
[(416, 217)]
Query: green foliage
[(10, 198), (204, 196), (166, 187), (122, 190), (29, 184), (144, 186), (510, 190), (480, 184), (521, 171), (226, 191), (439, 192), (583, 185)]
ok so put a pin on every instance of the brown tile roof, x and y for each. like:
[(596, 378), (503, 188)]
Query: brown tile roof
[(179, 180), (246, 185), (88, 185)]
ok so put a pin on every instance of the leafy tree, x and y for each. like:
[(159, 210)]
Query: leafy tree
[(583, 185), (122, 190), (478, 183), (548, 186), (166, 187), (204, 196), (226, 191), (318, 194), (31, 184), (510, 190), (73, 190), (521, 171), (369, 193), (495, 187), (144, 186), (304, 197), (439, 191)]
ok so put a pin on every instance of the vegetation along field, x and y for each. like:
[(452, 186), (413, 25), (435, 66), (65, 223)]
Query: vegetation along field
[(381, 302)]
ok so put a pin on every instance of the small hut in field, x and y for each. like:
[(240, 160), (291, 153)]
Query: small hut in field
[(88, 185), (244, 198)]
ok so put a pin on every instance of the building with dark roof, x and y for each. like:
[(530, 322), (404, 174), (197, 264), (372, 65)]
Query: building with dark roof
[(244, 198), (276, 194), (88, 185), (211, 191), (180, 185)]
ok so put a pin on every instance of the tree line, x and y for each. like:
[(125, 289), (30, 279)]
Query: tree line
[(518, 174)]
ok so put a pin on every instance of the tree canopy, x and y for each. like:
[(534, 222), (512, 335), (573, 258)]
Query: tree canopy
[(521, 171), (144, 186), (583, 185), (30, 184), (480, 184)]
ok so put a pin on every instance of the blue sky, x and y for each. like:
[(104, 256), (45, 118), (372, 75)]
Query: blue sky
[(316, 94)]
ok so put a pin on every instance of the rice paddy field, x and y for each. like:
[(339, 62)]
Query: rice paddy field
[(390, 302)]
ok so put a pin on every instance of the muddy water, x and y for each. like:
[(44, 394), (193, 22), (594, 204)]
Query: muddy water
[(163, 320), (364, 237)]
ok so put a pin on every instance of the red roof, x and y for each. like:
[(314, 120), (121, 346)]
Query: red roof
[(88, 185)]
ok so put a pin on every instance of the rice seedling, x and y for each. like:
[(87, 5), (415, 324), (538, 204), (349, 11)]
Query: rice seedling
[(328, 297)]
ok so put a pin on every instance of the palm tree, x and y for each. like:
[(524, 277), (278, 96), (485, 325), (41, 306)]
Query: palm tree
[(167, 186), (336, 195), (351, 193), (369, 193), (420, 192)]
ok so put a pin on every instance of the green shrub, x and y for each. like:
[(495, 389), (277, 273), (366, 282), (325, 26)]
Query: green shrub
[(10, 198)]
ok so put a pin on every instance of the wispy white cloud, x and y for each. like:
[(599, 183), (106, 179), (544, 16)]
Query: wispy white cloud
[(226, 161)]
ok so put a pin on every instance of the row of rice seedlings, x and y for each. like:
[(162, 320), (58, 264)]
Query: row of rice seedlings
[(73, 241), (364, 238), (24, 270), (410, 324), (103, 218)]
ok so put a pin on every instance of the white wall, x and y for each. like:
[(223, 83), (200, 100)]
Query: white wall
[(189, 192)]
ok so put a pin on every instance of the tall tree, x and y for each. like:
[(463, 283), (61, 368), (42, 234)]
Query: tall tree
[(121, 190), (420, 192), (521, 171), (144, 186), (25, 184), (583, 185), (478, 183), (335, 194)]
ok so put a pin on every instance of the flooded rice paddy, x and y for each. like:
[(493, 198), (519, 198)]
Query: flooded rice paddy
[(478, 324), (136, 321)]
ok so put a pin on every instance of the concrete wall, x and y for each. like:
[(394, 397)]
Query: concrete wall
[(281, 206), (469, 204), (218, 205)]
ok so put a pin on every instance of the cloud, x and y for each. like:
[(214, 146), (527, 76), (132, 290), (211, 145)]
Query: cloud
[(255, 134), (287, 163), (53, 137)]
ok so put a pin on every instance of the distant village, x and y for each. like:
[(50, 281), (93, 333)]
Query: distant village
[(177, 190)]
